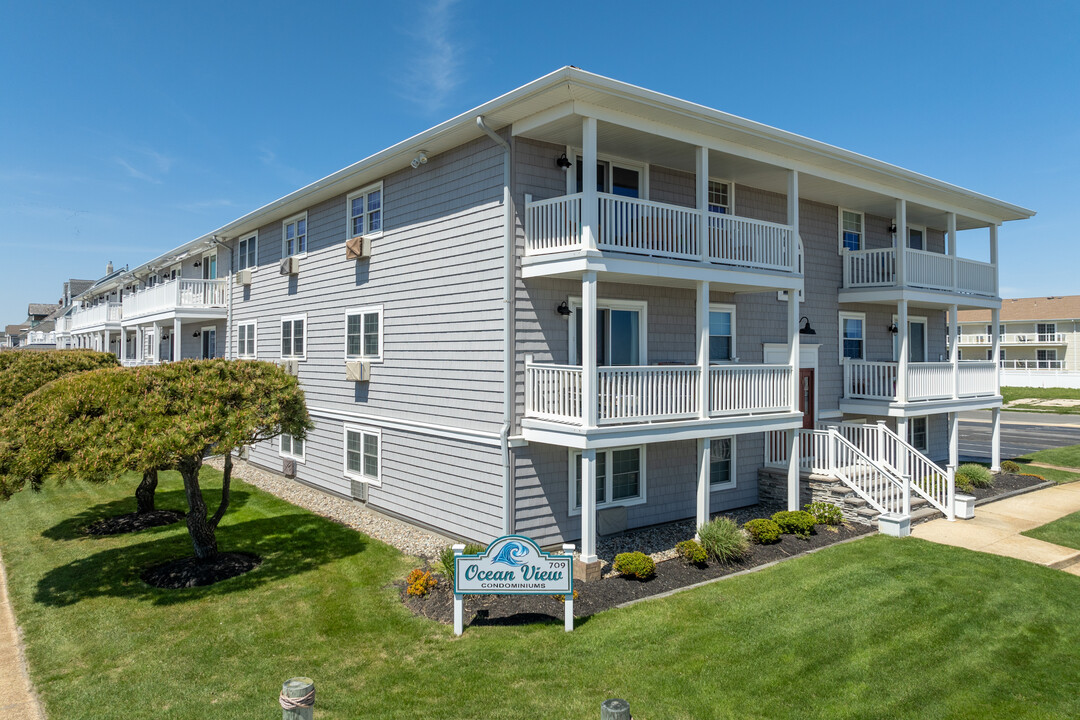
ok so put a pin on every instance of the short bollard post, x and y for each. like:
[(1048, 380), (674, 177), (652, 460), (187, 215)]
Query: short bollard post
[(459, 622), (568, 610), (615, 709), (297, 699)]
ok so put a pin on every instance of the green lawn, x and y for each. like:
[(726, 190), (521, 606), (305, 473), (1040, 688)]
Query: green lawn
[(1063, 531), (1068, 456), (875, 628), (1011, 394)]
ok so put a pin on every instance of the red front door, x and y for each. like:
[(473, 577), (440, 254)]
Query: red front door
[(806, 397)]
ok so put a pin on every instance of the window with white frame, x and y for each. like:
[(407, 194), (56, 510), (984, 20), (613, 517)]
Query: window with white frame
[(292, 336), (247, 252), (719, 196), (917, 436), (294, 235), (722, 463), (851, 230), (852, 336), (621, 332), (245, 340), (1046, 331), (363, 459), (363, 333), (721, 333), (917, 350), (620, 477), (291, 447), (365, 211), (916, 237)]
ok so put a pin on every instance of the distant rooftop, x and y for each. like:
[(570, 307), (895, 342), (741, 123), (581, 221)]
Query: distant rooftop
[(1054, 307)]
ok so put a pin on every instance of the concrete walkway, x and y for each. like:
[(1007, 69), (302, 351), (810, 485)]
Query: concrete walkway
[(17, 699), (996, 528)]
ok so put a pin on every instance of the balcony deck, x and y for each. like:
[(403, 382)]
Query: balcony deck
[(197, 298), (866, 271), (100, 317), (1031, 338), (872, 386)]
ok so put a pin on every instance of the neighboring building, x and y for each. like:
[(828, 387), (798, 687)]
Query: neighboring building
[(1039, 340), (583, 279), (14, 335)]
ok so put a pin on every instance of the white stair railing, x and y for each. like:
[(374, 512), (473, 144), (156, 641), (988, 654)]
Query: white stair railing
[(871, 480), (928, 479)]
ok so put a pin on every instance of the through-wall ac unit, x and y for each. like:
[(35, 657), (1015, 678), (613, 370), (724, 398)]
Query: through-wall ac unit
[(289, 266), (358, 248), (292, 367), (244, 453), (244, 277), (358, 370), (288, 467)]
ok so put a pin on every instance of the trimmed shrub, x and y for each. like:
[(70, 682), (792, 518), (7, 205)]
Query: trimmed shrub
[(635, 564), (692, 552), (825, 513), (445, 563), (24, 371), (723, 539), (763, 530), (419, 582), (795, 522), (963, 484), (977, 475), (1010, 467)]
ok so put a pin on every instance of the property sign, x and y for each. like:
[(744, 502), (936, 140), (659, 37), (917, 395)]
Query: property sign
[(513, 565)]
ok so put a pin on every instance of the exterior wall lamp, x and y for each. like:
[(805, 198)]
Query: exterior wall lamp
[(806, 329), (892, 228), (562, 162), (892, 328), (196, 334), (564, 310)]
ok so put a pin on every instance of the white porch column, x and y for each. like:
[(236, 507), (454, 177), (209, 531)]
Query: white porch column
[(901, 242), (793, 470), (176, 339), (589, 201), (156, 349), (793, 345), (995, 346), (138, 343), (951, 239), (994, 260), (902, 431), (954, 349), (702, 170), (108, 337), (588, 506), (902, 352), (793, 216), (703, 347), (588, 346), (995, 442), (954, 440), (704, 452)]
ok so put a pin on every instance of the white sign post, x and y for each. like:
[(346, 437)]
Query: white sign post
[(513, 565)]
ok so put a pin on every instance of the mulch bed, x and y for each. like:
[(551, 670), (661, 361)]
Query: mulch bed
[(1006, 482), (599, 595), (134, 522), (192, 572)]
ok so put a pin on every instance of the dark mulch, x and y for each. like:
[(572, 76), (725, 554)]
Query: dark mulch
[(1006, 482), (593, 597), (192, 572), (134, 522)]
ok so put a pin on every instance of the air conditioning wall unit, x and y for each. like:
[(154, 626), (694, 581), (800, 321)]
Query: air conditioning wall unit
[(358, 370), (245, 453), (358, 248), (289, 266), (243, 277), (288, 467), (292, 367)]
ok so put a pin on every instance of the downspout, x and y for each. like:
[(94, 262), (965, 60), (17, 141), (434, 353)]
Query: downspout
[(508, 326)]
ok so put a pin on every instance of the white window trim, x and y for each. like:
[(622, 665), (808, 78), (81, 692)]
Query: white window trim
[(912, 320), (730, 193), (841, 317), (251, 238), (298, 458), (725, 307), (307, 236), (202, 339), (254, 325), (288, 318), (604, 304), (627, 163), (348, 210), (345, 335), (360, 477), (840, 229), (911, 433), (204, 267), (920, 228), (574, 456), (731, 484)]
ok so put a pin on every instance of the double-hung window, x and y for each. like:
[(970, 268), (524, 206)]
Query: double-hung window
[(917, 436), (363, 333), (292, 447), (852, 336), (721, 333), (620, 477), (363, 459), (365, 211), (722, 463), (719, 197), (851, 230), (292, 336), (294, 235), (245, 340), (247, 252), (916, 237)]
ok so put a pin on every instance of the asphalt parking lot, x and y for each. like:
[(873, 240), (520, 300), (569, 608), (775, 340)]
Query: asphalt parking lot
[(1020, 433)]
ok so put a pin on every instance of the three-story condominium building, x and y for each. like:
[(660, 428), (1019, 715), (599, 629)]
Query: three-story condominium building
[(585, 306)]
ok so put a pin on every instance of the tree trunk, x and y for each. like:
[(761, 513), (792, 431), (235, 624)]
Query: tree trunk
[(203, 537), (144, 494), (226, 482)]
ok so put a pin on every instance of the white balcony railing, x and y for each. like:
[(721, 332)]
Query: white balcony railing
[(1044, 365), (179, 293), (63, 324), (1031, 338), (652, 393), (644, 227), (97, 315), (925, 380), (923, 269)]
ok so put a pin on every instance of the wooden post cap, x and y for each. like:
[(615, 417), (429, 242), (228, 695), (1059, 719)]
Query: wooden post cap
[(297, 699), (615, 709)]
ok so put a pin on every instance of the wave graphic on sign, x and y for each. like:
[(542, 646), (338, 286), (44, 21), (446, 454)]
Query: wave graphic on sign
[(510, 553)]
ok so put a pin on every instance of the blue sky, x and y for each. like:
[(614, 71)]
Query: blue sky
[(130, 128)]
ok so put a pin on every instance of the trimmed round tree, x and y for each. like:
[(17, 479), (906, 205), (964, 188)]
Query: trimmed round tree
[(172, 416)]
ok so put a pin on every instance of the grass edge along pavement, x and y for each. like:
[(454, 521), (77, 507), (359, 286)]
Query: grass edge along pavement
[(1065, 531), (1011, 394), (872, 628)]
